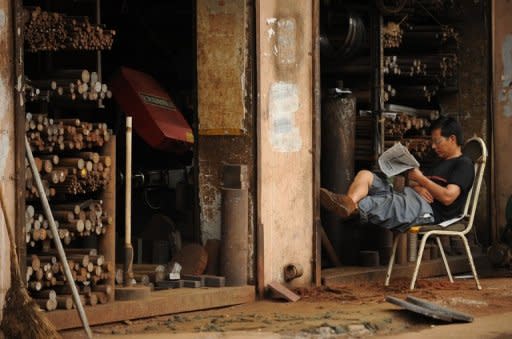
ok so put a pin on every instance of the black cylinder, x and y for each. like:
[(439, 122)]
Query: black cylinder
[(234, 253), (337, 164)]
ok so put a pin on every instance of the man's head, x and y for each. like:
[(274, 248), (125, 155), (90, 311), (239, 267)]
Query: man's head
[(447, 137)]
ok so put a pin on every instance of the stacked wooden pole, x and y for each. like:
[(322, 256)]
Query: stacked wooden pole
[(49, 31), (72, 84), (47, 283), (392, 35), (73, 220), (48, 135), (439, 66)]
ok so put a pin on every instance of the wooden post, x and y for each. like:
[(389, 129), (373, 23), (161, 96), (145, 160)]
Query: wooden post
[(128, 249), (107, 241), (7, 143)]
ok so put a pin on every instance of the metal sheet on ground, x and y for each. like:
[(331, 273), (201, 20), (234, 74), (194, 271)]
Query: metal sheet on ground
[(418, 309), (455, 315)]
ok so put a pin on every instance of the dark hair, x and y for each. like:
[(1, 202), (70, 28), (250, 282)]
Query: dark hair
[(449, 126)]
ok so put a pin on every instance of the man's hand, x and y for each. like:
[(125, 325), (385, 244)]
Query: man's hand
[(415, 175), (424, 193)]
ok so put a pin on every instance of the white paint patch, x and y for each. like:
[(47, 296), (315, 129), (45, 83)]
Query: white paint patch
[(287, 41), (270, 33), (283, 104), (505, 95), (271, 21)]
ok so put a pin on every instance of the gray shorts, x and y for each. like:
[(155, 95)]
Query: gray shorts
[(393, 210)]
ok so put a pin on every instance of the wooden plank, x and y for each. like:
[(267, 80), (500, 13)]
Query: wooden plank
[(283, 291), (136, 292), (431, 268), (159, 303)]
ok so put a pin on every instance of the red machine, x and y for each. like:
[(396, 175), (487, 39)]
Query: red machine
[(155, 117)]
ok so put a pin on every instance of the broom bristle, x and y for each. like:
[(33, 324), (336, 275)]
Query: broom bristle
[(22, 317)]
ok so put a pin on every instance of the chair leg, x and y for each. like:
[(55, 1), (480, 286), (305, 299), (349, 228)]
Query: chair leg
[(471, 263), (440, 245), (418, 261), (392, 259)]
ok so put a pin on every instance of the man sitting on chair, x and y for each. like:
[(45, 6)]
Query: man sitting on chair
[(435, 195)]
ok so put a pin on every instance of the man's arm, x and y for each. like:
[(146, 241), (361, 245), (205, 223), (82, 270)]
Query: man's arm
[(445, 195)]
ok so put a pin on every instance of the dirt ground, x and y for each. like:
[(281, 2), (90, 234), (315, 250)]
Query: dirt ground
[(352, 310)]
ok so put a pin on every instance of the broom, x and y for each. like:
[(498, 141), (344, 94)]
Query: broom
[(22, 317)]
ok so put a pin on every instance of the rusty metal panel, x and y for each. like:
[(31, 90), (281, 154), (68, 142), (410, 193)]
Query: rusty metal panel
[(7, 154), (221, 65), (502, 102), (285, 136)]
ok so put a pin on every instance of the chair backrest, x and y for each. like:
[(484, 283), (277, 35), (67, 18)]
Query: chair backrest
[(476, 150)]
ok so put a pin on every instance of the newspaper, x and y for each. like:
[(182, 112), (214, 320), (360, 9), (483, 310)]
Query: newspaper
[(396, 160)]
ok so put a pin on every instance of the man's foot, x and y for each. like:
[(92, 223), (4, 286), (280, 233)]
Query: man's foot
[(340, 204)]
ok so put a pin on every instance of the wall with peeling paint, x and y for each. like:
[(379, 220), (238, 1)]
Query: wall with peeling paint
[(502, 117), (6, 142), (285, 116), (471, 103), (225, 109)]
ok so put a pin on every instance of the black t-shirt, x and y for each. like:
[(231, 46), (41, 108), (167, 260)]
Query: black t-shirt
[(458, 171)]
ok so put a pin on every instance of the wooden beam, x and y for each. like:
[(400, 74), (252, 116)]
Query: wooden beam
[(159, 303)]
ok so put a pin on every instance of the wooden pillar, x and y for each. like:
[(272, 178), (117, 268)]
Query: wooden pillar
[(285, 78), (7, 135)]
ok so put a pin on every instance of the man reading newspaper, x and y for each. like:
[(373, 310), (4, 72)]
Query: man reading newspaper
[(435, 195)]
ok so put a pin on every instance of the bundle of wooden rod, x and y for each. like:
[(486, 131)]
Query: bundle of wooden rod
[(436, 66), (396, 125), (84, 172), (417, 93), (392, 35), (144, 274), (73, 220), (427, 36), (49, 31), (48, 135), (47, 283), (72, 84)]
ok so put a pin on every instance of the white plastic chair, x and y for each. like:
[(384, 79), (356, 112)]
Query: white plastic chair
[(475, 149)]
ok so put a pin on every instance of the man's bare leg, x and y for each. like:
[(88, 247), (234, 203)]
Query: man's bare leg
[(360, 186), (345, 205)]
